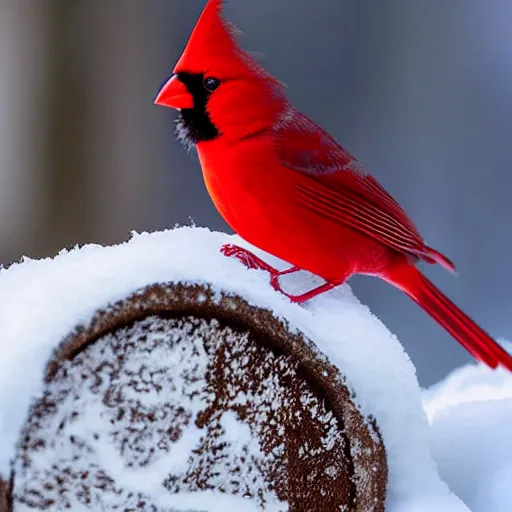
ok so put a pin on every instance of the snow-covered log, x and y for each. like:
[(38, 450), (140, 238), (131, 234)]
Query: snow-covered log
[(160, 375), (190, 392)]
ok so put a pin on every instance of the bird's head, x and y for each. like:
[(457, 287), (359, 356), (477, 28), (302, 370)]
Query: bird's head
[(220, 90)]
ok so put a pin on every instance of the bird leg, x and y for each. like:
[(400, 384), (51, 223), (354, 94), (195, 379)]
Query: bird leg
[(254, 262), (299, 299)]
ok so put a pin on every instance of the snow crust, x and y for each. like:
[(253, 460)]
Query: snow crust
[(42, 301), (471, 435)]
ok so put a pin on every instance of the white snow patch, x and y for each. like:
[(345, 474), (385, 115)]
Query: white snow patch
[(471, 435), (469, 383)]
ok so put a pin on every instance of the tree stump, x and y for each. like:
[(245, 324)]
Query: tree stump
[(178, 389)]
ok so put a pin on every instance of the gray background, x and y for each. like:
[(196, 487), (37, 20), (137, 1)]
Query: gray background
[(420, 92)]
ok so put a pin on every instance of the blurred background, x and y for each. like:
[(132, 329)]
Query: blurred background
[(420, 92)]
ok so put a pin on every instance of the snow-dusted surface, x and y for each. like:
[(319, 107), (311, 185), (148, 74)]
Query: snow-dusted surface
[(130, 406), (42, 301), (471, 435)]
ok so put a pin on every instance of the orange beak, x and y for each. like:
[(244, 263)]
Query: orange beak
[(174, 94)]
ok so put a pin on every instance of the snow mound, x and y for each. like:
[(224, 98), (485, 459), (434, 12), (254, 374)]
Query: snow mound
[(42, 301), (471, 435)]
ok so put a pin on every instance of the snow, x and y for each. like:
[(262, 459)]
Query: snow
[(471, 435), (469, 383), (42, 301)]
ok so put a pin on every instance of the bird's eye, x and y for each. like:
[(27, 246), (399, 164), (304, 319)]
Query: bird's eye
[(210, 83)]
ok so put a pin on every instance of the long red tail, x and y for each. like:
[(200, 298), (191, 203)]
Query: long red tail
[(473, 338)]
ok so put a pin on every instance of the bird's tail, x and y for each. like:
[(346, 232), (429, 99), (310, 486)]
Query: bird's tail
[(473, 338)]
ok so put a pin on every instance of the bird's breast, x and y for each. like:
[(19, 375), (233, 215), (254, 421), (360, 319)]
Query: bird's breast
[(239, 185)]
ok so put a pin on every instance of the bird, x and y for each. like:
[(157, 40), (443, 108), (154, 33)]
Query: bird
[(287, 187)]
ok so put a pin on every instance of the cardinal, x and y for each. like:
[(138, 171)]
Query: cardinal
[(287, 187)]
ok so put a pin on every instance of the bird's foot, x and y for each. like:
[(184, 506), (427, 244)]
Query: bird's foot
[(252, 261), (247, 258)]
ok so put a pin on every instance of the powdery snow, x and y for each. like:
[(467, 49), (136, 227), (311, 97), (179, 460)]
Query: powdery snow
[(471, 435), (42, 301)]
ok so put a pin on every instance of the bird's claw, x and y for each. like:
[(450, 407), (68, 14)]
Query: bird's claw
[(251, 261), (247, 258)]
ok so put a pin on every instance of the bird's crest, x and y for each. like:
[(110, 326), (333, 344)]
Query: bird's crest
[(212, 46)]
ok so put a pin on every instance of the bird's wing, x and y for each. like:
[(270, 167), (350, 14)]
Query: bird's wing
[(333, 184)]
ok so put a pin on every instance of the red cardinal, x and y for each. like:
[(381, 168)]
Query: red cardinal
[(286, 186)]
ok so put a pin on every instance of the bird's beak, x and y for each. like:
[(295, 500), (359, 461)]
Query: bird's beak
[(174, 94)]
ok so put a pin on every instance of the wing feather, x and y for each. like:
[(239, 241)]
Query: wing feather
[(333, 184), (359, 214)]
